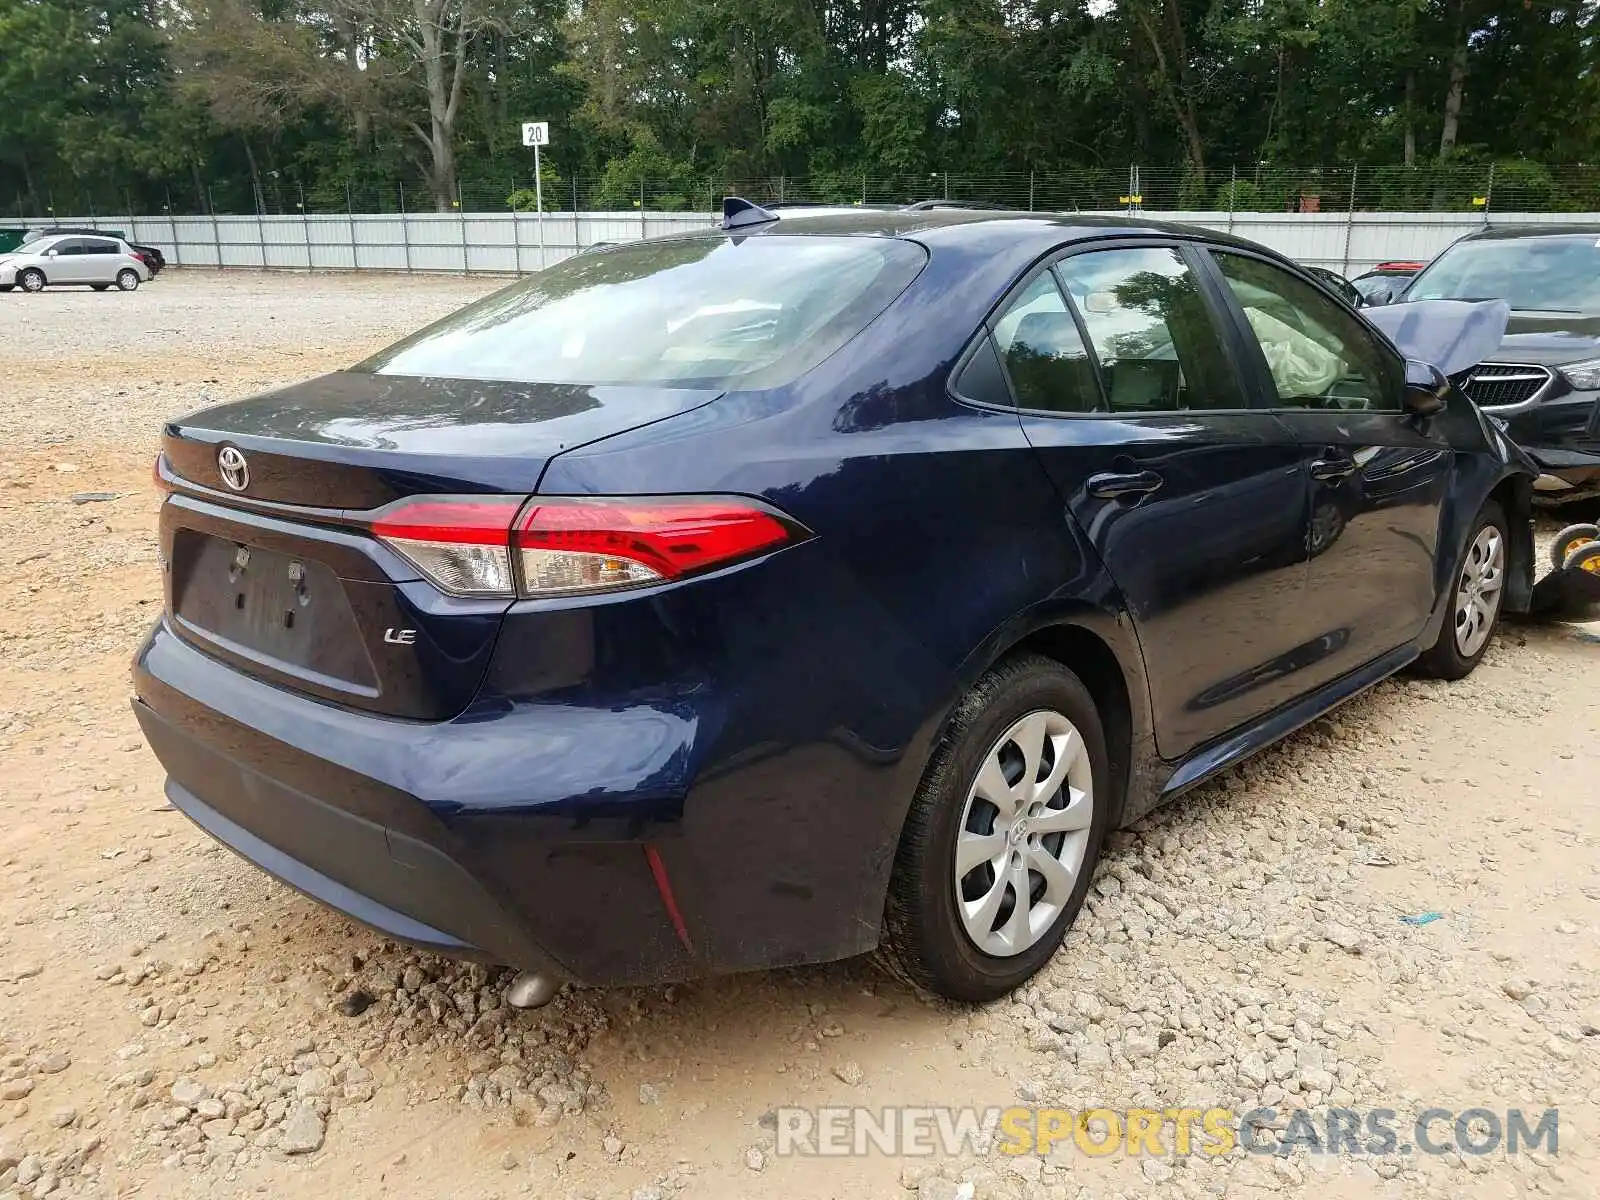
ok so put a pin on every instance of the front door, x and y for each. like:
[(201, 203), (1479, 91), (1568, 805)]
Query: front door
[(1378, 475), (70, 264), (1196, 505)]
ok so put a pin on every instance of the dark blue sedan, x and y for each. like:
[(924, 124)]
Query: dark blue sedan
[(806, 586)]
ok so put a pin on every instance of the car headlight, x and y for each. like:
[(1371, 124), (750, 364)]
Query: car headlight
[(1585, 375)]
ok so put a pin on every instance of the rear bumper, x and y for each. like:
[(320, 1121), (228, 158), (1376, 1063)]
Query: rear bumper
[(358, 813), (705, 824)]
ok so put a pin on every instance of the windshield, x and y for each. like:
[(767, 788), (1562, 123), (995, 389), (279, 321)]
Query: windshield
[(36, 246), (1559, 273), (703, 311)]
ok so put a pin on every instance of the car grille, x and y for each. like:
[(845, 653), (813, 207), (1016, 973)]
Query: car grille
[(1498, 385)]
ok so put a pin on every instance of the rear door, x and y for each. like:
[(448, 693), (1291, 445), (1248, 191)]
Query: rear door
[(1378, 475), (102, 259), (1130, 393)]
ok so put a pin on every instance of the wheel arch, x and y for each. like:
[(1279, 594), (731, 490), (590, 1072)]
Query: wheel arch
[(1103, 651), (1092, 660)]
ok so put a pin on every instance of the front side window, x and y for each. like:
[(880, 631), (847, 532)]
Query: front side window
[(684, 312), (66, 246), (1151, 331), (1319, 355)]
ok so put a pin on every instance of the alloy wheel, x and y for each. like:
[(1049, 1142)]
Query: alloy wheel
[(1478, 594), (1023, 835)]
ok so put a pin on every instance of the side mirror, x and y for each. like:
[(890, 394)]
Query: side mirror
[(1426, 389), (52, 253)]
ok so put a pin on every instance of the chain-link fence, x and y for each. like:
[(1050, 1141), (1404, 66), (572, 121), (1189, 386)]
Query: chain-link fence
[(1448, 187)]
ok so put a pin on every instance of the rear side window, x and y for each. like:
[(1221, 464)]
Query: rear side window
[(1043, 352), (1151, 330), (99, 246), (691, 312)]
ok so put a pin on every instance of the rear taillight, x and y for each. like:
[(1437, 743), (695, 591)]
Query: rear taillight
[(570, 545), (461, 543)]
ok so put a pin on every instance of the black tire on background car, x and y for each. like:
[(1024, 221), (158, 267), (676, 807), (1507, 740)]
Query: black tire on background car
[(31, 280), (1585, 558), (6, 287), (1019, 782), (1475, 600), (1569, 539), (128, 279), (99, 287)]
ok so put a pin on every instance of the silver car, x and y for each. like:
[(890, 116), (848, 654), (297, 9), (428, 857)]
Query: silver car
[(56, 259)]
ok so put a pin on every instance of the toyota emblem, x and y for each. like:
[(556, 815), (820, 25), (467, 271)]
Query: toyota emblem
[(235, 471)]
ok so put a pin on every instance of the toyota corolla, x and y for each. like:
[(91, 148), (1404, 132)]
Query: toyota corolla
[(805, 586)]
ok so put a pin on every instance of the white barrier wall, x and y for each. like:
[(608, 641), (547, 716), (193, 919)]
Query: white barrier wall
[(511, 242)]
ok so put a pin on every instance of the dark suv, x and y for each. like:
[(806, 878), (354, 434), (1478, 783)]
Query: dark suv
[(1544, 381)]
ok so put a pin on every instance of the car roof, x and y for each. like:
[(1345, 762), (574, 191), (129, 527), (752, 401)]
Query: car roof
[(953, 226), (1493, 233)]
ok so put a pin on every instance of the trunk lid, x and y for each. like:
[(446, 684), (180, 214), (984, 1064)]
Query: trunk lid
[(267, 560), (354, 440)]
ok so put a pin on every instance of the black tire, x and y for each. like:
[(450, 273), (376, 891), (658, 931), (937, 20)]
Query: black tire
[(6, 287), (1445, 659), (127, 280), (925, 941), (1569, 539), (1584, 558), (99, 287), (31, 280)]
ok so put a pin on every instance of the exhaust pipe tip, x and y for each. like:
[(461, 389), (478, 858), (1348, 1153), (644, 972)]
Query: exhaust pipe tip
[(532, 989)]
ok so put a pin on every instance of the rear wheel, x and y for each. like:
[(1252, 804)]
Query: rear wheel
[(1570, 539), (128, 279), (31, 280), (1003, 835), (1475, 600)]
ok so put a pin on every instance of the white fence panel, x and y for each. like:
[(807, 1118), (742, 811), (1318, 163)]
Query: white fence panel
[(509, 243)]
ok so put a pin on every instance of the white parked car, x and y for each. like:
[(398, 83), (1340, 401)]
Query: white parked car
[(57, 259)]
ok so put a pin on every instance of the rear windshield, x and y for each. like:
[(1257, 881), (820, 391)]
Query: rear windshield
[(691, 312), (1553, 274)]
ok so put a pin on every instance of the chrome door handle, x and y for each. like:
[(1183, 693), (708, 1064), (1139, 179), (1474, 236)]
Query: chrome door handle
[(1113, 485), (1331, 470)]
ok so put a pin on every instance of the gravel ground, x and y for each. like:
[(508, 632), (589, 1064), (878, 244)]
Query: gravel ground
[(174, 1024)]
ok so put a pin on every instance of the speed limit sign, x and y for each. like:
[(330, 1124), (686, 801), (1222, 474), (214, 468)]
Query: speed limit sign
[(536, 133)]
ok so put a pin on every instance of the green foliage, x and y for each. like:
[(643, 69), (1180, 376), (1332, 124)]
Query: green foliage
[(1237, 195), (648, 171), (556, 195), (283, 102)]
